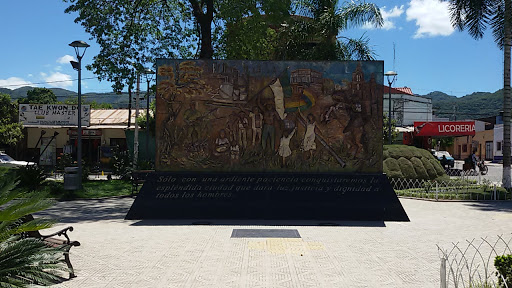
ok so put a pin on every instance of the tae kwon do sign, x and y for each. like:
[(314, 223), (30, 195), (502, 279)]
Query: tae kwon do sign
[(453, 128), (53, 115)]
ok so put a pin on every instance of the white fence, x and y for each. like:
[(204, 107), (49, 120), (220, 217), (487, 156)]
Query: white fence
[(471, 264), (452, 189)]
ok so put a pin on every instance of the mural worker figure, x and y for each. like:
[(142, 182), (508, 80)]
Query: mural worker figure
[(243, 123), (309, 137), (221, 143), (191, 117), (284, 146), (257, 124), (269, 119)]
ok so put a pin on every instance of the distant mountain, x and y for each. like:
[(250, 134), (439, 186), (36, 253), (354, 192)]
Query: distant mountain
[(117, 100), (472, 106)]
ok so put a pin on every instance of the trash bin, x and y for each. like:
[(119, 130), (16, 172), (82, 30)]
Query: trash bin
[(71, 180)]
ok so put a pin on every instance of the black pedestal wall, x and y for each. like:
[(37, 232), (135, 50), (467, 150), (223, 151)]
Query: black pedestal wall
[(276, 196)]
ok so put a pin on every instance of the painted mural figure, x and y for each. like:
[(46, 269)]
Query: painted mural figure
[(257, 124), (222, 143), (309, 137), (284, 146), (269, 120), (191, 117), (243, 124)]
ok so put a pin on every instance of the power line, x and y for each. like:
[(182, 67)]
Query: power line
[(59, 81)]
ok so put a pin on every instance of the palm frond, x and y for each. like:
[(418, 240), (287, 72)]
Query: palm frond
[(357, 49), (29, 261), (356, 13), (498, 25), (472, 15)]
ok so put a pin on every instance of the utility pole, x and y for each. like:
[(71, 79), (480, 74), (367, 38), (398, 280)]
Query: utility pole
[(136, 136)]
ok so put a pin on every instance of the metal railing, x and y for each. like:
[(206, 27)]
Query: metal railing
[(452, 189), (471, 263)]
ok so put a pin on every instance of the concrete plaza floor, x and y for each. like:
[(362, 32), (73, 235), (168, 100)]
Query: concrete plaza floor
[(119, 253)]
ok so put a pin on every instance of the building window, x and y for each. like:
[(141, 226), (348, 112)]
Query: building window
[(464, 148), (498, 146)]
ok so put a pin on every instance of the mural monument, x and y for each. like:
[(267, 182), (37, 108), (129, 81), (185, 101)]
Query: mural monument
[(268, 140)]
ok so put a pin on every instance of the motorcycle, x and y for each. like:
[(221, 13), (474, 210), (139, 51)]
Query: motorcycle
[(482, 167)]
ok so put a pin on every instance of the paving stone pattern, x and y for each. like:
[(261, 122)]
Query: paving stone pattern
[(119, 253)]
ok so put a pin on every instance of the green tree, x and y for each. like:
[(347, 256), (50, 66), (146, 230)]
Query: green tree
[(385, 129), (94, 104), (141, 120), (314, 36), (10, 130), (310, 32), (475, 16), (39, 96), (25, 261)]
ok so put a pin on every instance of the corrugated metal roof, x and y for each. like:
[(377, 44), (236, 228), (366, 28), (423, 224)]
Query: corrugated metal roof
[(398, 90), (112, 116)]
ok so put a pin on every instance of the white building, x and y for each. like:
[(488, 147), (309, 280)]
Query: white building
[(406, 107), (498, 142)]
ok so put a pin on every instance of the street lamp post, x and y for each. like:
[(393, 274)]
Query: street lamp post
[(149, 77), (78, 45), (391, 75)]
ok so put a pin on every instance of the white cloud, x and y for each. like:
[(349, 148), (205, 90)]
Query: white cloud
[(30, 75), (58, 79), (431, 16), (43, 74), (65, 59), (14, 82), (387, 15), (58, 68)]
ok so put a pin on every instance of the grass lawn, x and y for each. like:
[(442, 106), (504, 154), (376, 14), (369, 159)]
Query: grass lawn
[(91, 189), (475, 192)]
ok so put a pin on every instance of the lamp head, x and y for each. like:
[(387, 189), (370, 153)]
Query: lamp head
[(77, 45), (391, 75)]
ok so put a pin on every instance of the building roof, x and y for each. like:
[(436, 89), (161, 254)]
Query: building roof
[(110, 117), (398, 90)]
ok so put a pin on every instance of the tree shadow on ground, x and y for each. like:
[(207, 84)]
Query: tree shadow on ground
[(496, 206), (112, 209)]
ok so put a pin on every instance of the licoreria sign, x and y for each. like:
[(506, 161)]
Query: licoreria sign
[(451, 128)]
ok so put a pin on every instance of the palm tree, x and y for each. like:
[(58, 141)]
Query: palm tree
[(476, 16), (24, 261), (313, 32)]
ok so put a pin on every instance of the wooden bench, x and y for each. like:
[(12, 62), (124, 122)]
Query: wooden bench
[(53, 241), (138, 178)]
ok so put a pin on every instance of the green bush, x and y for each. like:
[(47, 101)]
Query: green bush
[(421, 172), (121, 164), (407, 168), (412, 162), (31, 176), (392, 168), (503, 266)]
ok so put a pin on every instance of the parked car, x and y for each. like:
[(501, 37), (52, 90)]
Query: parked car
[(9, 162), (449, 159)]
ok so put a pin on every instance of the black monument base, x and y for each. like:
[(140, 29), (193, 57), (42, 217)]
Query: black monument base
[(267, 196)]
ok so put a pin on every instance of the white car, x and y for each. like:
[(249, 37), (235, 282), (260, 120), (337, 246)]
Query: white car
[(7, 161)]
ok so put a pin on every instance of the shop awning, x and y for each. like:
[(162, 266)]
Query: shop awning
[(444, 128)]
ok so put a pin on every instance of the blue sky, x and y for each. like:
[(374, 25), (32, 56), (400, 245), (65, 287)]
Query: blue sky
[(429, 54)]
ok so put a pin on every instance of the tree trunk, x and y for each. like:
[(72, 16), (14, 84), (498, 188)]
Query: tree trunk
[(204, 20), (506, 97)]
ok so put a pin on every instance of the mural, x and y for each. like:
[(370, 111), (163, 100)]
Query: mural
[(218, 115)]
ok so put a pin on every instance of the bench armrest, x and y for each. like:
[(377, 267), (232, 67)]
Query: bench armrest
[(60, 233)]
